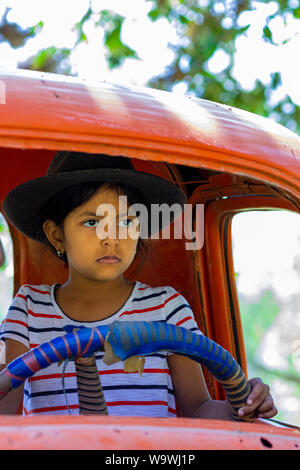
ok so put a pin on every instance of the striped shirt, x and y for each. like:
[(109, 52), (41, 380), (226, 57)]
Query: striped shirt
[(35, 317)]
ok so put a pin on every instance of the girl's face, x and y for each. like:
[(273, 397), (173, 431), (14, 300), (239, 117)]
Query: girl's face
[(91, 232)]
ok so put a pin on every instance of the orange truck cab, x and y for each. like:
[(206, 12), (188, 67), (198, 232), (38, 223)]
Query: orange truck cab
[(224, 159)]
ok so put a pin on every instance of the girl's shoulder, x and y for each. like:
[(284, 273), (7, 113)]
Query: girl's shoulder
[(35, 290), (167, 292), (164, 303), (147, 288)]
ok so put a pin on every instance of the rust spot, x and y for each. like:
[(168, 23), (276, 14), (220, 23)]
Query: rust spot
[(266, 443)]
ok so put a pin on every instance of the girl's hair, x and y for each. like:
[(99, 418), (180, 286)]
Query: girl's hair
[(70, 198)]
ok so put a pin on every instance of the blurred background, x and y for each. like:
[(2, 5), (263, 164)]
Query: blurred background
[(240, 53)]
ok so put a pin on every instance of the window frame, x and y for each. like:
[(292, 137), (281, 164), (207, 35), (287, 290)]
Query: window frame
[(215, 269)]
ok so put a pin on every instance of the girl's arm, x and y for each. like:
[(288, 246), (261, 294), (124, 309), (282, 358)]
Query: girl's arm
[(194, 401), (11, 402), (192, 396)]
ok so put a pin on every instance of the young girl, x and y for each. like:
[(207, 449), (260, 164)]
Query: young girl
[(62, 210)]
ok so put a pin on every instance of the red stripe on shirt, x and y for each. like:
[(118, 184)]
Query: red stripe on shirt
[(183, 320), (15, 321), (49, 408), (149, 309), (102, 372), (37, 290), (134, 403), (21, 296), (147, 371), (51, 376), (142, 403), (117, 403), (44, 315)]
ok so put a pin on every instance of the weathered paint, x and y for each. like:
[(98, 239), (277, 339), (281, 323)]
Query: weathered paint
[(43, 113), (111, 433), (59, 112)]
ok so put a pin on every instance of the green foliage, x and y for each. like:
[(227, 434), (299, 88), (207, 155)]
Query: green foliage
[(117, 51), (50, 59), (257, 318), (14, 34), (78, 27), (203, 30), (203, 27)]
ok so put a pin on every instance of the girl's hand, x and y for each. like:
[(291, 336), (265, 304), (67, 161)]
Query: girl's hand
[(260, 400)]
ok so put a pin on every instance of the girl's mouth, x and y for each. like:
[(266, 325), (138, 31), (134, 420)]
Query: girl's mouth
[(109, 260)]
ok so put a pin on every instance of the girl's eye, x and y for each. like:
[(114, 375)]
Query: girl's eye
[(126, 223), (90, 223)]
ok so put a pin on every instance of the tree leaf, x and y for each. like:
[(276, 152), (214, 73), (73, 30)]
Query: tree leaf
[(117, 50), (296, 12), (267, 34)]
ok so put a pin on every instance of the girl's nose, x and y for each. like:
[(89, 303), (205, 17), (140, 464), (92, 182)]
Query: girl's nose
[(110, 241), (108, 233)]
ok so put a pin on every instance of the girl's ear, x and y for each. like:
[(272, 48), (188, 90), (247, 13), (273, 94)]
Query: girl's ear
[(54, 234)]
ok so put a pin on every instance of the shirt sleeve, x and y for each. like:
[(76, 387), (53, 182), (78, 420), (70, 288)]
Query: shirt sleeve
[(15, 323), (178, 311)]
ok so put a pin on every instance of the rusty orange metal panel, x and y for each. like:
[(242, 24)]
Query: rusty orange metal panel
[(112, 433), (59, 112)]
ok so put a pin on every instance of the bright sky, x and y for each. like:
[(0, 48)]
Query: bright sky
[(89, 59), (147, 38), (254, 59), (265, 246)]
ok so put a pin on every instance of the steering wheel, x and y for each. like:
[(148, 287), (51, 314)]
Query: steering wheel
[(127, 341)]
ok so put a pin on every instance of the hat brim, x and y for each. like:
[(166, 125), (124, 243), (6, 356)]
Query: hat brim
[(23, 205)]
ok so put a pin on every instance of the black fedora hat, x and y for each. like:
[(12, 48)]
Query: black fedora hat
[(24, 204)]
